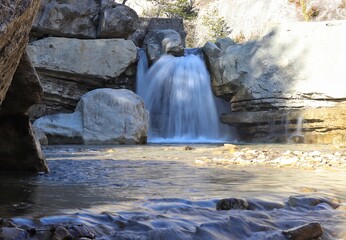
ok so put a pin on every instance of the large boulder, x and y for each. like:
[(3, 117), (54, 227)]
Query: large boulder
[(69, 68), (94, 59), (117, 21), (159, 42), (19, 149), (69, 18), (103, 116), (295, 65)]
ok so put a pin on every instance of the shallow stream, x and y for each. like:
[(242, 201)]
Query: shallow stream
[(158, 192)]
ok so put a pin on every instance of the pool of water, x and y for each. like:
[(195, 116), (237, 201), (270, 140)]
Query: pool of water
[(154, 192)]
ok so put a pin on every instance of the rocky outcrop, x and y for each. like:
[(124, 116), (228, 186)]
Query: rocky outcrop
[(294, 67), (70, 68), (103, 116), (88, 19), (70, 56), (281, 69), (19, 150), (161, 42), (311, 125)]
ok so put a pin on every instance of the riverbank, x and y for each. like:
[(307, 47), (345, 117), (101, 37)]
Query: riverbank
[(296, 156)]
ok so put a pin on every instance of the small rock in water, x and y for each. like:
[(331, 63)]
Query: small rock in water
[(232, 203), (9, 233), (79, 231), (6, 223), (307, 201), (61, 233), (305, 232), (189, 148)]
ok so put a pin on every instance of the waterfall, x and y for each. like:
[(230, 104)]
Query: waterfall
[(177, 93)]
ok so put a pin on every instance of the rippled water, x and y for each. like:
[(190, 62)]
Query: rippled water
[(151, 192)]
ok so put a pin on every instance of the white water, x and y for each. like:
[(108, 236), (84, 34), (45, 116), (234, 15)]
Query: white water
[(177, 93)]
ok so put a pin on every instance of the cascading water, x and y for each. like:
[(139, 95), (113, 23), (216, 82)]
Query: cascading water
[(177, 93)]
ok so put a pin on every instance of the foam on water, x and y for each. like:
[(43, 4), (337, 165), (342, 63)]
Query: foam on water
[(177, 93)]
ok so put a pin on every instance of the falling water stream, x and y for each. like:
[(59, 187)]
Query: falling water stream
[(177, 93)]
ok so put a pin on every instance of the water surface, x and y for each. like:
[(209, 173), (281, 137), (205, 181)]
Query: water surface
[(153, 192)]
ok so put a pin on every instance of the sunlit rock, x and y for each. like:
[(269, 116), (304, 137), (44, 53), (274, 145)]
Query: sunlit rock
[(71, 18), (281, 69), (69, 68), (103, 116), (304, 232)]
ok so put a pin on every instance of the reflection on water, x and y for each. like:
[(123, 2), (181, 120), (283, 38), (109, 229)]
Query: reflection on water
[(146, 197)]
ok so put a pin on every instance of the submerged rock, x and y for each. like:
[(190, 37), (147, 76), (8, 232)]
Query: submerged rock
[(305, 232), (12, 233), (232, 203), (308, 201), (103, 116)]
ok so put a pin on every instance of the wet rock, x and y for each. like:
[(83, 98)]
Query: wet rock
[(305, 232), (103, 116), (61, 233), (10, 233), (81, 231), (232, 203), (159, 42), (7, 223), (307, 201)]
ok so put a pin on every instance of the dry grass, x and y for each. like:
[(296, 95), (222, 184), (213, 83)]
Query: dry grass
[(343, 4)]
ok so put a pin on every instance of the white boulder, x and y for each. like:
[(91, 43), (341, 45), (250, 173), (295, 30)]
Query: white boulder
[(103, 116)]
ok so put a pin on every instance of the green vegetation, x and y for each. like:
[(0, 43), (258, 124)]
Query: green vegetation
[(172, 9), (308, 14), (217, 25)]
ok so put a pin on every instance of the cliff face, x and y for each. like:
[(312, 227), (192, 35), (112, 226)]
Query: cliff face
[(19, 89), (248, 19), (274, 81)]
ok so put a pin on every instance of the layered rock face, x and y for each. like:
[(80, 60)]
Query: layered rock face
[(70, 56), (69, 68), (19, 89), (103, 116), (295, 66)]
